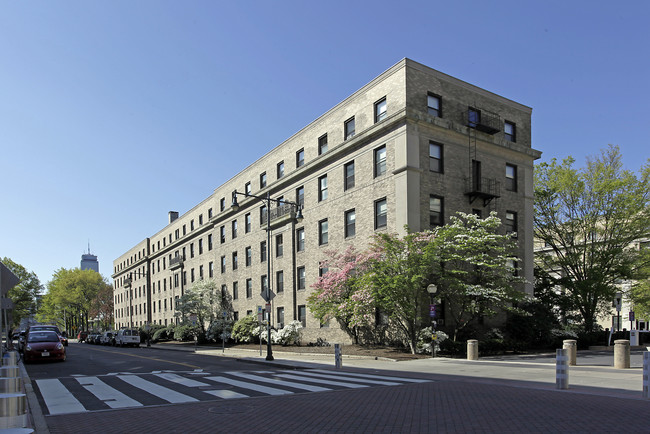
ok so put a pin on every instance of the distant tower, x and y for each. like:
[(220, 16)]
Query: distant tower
[(89, 261)]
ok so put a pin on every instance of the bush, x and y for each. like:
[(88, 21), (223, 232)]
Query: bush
[(288, 335), (423, 344), (160, 335), (185, 333), (245, 330)]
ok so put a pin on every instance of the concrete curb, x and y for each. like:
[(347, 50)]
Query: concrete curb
[(33, 406)]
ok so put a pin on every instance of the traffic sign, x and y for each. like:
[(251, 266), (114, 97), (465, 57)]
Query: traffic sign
[(432, 310)]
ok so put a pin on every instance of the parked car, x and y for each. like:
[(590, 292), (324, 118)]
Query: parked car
[(127, 337), (40, 327), (108, 338), (97, 339), (43, 345), (21, 340), (82, 336)]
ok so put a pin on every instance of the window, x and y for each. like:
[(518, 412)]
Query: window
[(511, 223), (263, 251), (511, 177), (300, 235), (191, 250), (247, 223), (435, 157), (280, 169), (192, 275), (436, 216), (300, 158), (209, 242), (192, 225), (235, 290), (322, 144), (280, 318), (279, 246), (380, 110), (380, 161), (473, 117), (279, 281), (323, 233), (300, 196), (222, 234), (350, 221), (262, 214), (510, 131), (249, 288), (302, 315), (222, 203), (234, 260), (264, 283), (234, 229), (348, 175), (249, 256), (349, 128), (322, 269), (184, 230), (200, 246), (262, 180), (209, 213), (301, 277), (433, 105), (176, 234), (211, 269), (200, 219), (247, 188), (322, 188), (381, 211), (223, 264)]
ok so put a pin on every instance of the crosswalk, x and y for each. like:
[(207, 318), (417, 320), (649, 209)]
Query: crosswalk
[(80, 394)]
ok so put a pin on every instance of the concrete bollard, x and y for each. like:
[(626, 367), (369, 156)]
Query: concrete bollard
[(562, 369), (621, 353), (338, 360), (10, 359), (472, 349), (646, 374), (572, 346), (13, 410)]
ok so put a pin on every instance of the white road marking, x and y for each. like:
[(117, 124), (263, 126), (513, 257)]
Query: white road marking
[(168, 395), (57, 398), (111, 397), (251, 386)]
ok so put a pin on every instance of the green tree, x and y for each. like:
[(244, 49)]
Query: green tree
[(588, 220), (477, 274), (26, 294), (207, 302), (101, 307), (399, 271), (70, 297)]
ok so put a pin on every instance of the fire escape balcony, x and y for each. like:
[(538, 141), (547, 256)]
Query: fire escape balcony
[(280, 215), (482, 120), (485, 189), (176, 262)]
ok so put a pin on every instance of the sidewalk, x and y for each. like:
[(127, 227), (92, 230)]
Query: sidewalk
[(593, 374)]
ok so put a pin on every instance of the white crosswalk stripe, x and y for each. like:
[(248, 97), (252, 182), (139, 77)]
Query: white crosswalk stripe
[(62, 397)]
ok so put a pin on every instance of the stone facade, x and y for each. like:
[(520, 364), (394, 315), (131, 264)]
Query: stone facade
[(390, 149)]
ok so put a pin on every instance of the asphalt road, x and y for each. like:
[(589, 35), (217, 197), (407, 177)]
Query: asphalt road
[(86, 359)]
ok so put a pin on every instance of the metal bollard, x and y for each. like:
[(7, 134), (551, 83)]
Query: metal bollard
[(11, 384), (621, 353), (572, 346), (646, 374), (10, 371), (338, 361), (561, 369), (13, 410), (10, 359), (472, 349)]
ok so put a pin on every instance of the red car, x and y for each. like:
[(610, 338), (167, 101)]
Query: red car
[(43, 345)]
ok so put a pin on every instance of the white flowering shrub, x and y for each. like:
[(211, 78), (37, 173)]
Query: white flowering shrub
[(288, 335), (424, 340)]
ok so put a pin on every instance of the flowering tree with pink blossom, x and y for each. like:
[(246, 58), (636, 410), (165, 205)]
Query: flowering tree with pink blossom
[(340, 294)]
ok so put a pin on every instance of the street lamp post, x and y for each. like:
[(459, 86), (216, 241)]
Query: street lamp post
[(432, 289), (267, 199)]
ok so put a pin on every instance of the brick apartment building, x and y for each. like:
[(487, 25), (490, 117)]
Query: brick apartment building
[(412, 147)]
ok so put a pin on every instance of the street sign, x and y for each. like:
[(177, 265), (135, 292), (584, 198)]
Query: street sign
[(432, 310), (268, 299), (631, 315)]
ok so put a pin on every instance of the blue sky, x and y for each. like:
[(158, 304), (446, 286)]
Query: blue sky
[(114, 113)]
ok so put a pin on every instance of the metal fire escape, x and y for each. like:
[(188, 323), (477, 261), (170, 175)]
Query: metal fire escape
[(479, 187)]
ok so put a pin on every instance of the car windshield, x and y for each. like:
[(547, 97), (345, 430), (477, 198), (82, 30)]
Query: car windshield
[(45, 336), (130, 333), (40, 328)]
